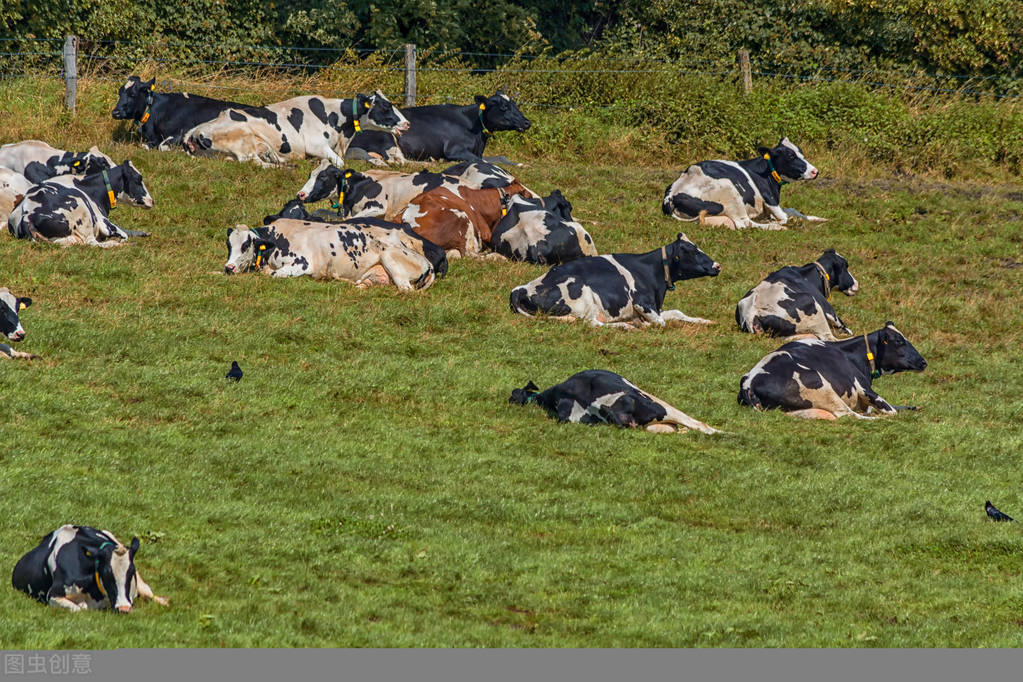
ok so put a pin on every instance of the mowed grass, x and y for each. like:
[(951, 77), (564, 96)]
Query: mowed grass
[(367, 482)]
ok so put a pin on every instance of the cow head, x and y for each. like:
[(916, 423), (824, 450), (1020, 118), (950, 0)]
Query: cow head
[(10, 307), (684, 260), (293, 210), (133, 98), (132, 189), (521, 396), (788, 160), (557, 204), (839, 276), (246, 247), (114, 566), (895, 353), (499, 112), (377, 113), (325, 180), (437, 256)]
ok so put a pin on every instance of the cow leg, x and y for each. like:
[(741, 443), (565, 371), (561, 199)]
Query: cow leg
[(375, 275), (494, 256), (780, 216), (876, 402), (57, 594), (679, 316), (812, 413), (661, 427), (146, 592), (453, 254), (648, 313), (291, 270), (7, 353), (402, 267)]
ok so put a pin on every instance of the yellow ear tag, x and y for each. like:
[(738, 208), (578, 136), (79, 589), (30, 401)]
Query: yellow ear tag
[(348, 174), (367, 105), (145, 117), (113, 201), (357, 128), (777, 178), (504, 211), (870, 356), (22, 306), (482, 106), (76, 164)]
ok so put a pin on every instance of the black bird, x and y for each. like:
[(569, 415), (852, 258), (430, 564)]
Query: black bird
[(993, 512), (236, 373)]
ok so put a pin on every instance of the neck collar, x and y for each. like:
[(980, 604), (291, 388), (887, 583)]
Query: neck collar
[(149, 106), (664, 262), (355, 113), (110, 190), (774, 173), (827, 279), (342, 185), (504, 201), (874, 372), (95, 569)]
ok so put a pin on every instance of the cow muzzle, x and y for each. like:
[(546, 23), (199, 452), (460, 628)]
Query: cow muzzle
[(125, 608), (717, 268), (811, 173), (230, 269), (17, 335), (301, 196), (851, 291)]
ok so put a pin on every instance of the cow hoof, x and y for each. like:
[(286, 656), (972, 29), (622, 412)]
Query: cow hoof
[(162, 601)]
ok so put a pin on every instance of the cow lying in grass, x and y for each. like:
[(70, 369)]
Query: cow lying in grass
[(38, 161), (817, 379), (621, 290), (739, 191), (365, 255), (540, 231), (294, 129), (74, 210), (597, 396), (10, 323), (80, 568), (795, 300)]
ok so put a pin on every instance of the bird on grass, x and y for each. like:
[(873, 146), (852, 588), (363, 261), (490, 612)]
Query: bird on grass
[(993, 512), (235, 374)]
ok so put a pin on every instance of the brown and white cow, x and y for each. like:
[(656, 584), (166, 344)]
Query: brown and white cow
[(461, 221), (294, 129), (817, 379), (365, 255)]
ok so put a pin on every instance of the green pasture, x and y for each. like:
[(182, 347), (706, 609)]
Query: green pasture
[(367, 483)]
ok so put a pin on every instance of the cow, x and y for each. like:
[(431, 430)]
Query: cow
[(624, 290), (541, 231), (163, 118), (295, 128), (460, 221), (480, 174), (739, 191), (816, 379), (365, 255), (445, 132), (597, 396), (38, 161), (79, 568), (71, 210), (795, 300), (13, 187), (10, 323)]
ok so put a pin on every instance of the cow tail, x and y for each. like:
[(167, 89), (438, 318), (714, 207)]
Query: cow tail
[(521, 302)]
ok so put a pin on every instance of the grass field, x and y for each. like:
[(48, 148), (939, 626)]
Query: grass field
[(368, 484)]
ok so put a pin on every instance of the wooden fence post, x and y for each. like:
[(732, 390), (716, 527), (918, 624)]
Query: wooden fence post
[(70, 71), (747, 74), (410, 74)]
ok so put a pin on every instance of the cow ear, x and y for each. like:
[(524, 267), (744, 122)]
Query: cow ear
[(150, 84), (532, 387), (889, 323), (133, 547), (230, 230), (480, 99), (682, 237), (831, 252), (24, 303), (763, 150)]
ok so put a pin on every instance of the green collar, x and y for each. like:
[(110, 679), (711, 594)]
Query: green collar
[(110, 191), (355, 113)]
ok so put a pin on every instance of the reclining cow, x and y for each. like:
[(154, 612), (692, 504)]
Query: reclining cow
[(74, 210), (541, 231), (623, 290), (365, 255), (10, 323), (462, 220), (163, 118), (444, 131), (795, 300), (817, 379), (739, 191), (294, 129), (597, 396), (80, 568), (38, 161)]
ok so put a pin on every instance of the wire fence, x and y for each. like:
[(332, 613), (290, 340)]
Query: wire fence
[(115, 60)]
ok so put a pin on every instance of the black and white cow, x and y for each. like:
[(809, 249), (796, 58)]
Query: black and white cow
[(444, 131), (295, 128), (362, 254), (480, 174), (795, 300), (39, 161), (74, 210), (540, 231), (163, 118), (817, 379), (622, 290), (739, 190), (10, 323), (596, 396), (79, 568)]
